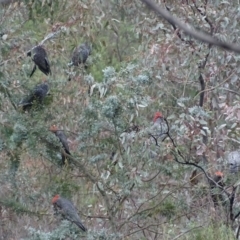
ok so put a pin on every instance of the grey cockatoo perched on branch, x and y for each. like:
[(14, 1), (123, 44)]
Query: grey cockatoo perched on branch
[(67, 210), (155, 133), (80, 54), (39, 57), (63, 139), (233, 161), (159, 128), (36, 95)]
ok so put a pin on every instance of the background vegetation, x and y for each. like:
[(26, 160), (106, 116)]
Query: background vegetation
[(125, 187)]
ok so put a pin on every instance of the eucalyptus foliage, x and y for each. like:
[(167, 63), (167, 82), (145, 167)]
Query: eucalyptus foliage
[(126, 183)]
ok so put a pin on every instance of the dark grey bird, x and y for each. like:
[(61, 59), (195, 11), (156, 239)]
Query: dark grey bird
[(63, 139), (217, 193), (80, 54), (67, 210), (36, 95), (39, 57)]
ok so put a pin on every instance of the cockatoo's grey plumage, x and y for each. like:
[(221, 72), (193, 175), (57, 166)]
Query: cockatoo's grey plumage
[(68, 211), (63, 139), (36, 95), (80, 54), (233, 161), (39, 57)]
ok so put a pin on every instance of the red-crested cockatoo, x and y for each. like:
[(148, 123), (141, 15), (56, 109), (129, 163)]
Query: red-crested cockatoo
[(66, 208), (159, 129)]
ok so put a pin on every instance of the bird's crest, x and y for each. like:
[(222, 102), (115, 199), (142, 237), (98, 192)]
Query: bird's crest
[(157, 115), (53, 128), (55, 198), (219, 174)]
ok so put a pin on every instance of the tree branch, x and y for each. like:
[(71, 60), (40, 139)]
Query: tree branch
[(191, 31)]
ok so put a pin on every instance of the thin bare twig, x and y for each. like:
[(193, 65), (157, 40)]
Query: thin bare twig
[(178, 236)]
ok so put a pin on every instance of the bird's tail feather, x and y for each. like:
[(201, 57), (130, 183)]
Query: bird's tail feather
[(80, 225)]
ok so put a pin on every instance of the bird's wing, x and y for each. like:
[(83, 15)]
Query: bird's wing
[(63, 139), (48, 65)]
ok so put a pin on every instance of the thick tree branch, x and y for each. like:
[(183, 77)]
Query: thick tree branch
[(190, 30)]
